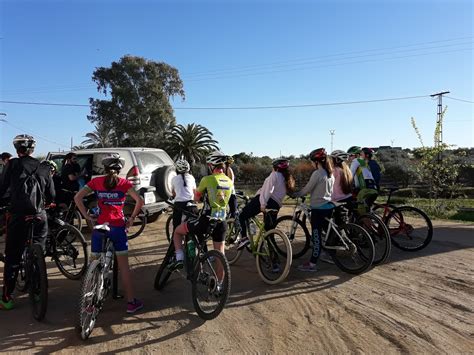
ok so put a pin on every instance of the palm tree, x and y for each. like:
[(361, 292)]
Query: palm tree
[(102, 137), (191, 142)]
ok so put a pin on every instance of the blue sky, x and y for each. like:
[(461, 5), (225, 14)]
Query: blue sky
[(247, 54)]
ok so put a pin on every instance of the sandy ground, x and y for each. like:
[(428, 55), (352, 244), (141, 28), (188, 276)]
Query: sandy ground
[(419, 302)]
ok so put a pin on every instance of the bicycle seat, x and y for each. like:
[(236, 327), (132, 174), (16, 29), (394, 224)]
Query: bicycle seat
[(104, 228)]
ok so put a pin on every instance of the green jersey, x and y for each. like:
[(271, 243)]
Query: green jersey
[(219, 189)]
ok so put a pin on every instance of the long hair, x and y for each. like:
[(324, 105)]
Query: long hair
[(290, 182), (326, 164), (68, 157), (184, 180), (111, 178), (346, 175)]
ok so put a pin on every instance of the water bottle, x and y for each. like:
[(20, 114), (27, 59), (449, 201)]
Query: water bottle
[(108, 257), (252, 228), (191, 249)]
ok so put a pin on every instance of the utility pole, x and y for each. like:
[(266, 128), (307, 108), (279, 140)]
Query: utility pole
[(439, 121), (332, 132), (392, 140)]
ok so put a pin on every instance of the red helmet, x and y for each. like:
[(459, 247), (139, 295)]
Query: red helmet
[(318, 154), (281, 164)]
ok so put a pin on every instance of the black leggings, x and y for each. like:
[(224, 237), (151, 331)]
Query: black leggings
[(252, 209), (178, 212), (232, 205)]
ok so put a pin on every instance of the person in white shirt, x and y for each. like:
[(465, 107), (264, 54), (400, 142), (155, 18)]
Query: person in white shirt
[(270, 196), (183, 188)]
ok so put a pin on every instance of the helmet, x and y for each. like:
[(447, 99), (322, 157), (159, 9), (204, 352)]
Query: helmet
[(353, 150), (113, 161), (340, 154), (230, 159), (182, 166), (51, 164), (281, 163), (216, 158), (24, 142), (368, 151), (318, 154)]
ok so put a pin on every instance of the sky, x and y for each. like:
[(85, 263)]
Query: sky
[(237, 54)]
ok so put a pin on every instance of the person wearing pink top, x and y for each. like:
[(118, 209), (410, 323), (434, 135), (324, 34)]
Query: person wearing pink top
[(342, 190)]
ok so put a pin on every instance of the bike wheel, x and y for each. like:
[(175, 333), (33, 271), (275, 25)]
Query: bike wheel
[(169, 228), (139, 223), (359, 254), (209, 294), (37, 282), (89, 300), (21, 281), (410, 228), (70, 252), (164, 272), (272, 265), (232, 240), (77, 220), (378, 231), (297, 233)]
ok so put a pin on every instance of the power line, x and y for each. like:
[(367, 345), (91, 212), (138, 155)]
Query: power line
[(238, 108), (453, 98), (34, 134)]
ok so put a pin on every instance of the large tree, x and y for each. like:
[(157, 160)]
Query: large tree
[(139, 109), (191, 142)]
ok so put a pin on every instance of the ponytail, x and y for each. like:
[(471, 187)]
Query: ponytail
[(326, 164), (111, 178), (184, 180), (345, 175), (290, 182)]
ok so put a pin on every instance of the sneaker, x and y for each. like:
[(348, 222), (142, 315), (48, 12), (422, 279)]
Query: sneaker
[(134, 306), (8, 305), (307, 267), (176, 265), (243, 243)]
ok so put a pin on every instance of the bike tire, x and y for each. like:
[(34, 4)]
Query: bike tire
[(37, 282), (299, 238), (21, 281), (268, 257), (89, 305), (401, 225), (169, 228), (232, 240), (380, 235), (139, 223), (69, 243), (363, 250), (205, 277), (164, 272)]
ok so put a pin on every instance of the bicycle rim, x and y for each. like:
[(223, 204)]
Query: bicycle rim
[(89, 302), (410, 228), (380, 235), (211, 284), (273, 266), (232, 240), (38, 282), (139, 223), (359, 255), (164, 271), (169, 228), (70, 252), (297, 234)]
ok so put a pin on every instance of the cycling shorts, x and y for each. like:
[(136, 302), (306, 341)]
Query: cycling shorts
[(117, 235)]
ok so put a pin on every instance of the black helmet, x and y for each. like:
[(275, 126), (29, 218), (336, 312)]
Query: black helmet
[(281, 164), (368, 151), (24, 143), (113, 161)]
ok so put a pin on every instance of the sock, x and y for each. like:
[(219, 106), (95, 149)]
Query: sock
[(179, 255)]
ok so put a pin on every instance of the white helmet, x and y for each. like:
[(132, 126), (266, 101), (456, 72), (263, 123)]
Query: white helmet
[(113, 161), (182, 166), (216, 158), (340, 154)]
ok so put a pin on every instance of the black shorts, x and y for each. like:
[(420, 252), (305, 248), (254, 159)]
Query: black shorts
[(200, 227)]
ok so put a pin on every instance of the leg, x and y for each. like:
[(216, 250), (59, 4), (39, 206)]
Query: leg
[(124, 268), (178, 235), (218, 238)]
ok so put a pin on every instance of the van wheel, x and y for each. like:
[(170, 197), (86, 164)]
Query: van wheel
[(161, 179)]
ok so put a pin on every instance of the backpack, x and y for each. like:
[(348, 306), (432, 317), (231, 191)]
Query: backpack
[(28, 197)]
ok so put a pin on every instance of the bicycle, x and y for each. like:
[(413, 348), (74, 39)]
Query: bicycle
[(100, 277), (66, 245), (271, 248), (295, 227), (410, 228), (208, 271), (32, 274), (72, 215), (169, 221)]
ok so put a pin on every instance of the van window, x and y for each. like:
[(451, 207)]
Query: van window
[(97, 167), (149, 161)]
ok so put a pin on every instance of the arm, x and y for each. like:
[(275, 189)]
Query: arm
[(138, 206), (310, 185), (266, 190), (78, 199), (50, 191), (200, 190), (6, 179)]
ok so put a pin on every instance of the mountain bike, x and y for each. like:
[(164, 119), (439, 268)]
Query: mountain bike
[(208, 271), (66, 245), (271, 248), (32, 274), (169, 221), (410, 228), (97, 283)]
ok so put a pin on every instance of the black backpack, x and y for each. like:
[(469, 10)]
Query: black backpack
[(28, 196)]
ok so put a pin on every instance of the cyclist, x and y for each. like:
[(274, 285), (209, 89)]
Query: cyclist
[(218, 188), (111, 192), (16, 173), (4, 158), (70, 174), (320, 186), (364, 183), (374, 166), (279, 183), (183, 189), (233, 198), (342, 191)]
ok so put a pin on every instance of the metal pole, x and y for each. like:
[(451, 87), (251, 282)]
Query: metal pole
[(332, 132), (439, 120)]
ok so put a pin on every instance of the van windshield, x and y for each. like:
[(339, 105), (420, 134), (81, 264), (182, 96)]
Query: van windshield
[(149, 161)]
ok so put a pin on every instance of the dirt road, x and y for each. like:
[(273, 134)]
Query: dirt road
[(417, 302)]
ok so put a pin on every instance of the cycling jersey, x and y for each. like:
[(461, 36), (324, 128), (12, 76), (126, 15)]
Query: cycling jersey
[(363, 177), (183, 193), (219, 189), (110, 201)]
